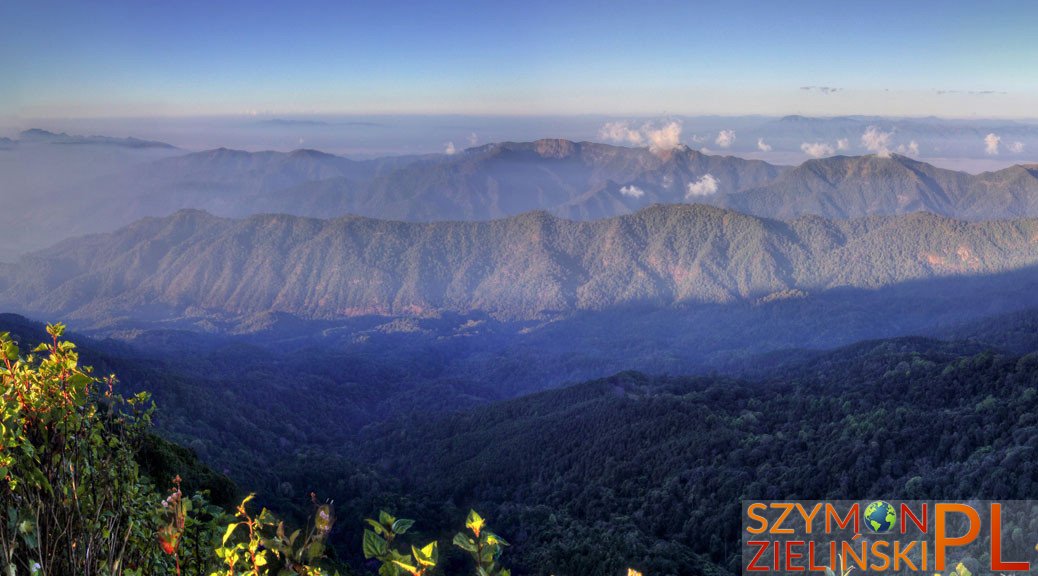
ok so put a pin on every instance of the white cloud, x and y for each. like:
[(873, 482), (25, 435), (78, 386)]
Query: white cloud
[(705, 186), (725, 138), (843, 144), (660, 136), (1016, 147), (473, 139), (817, 149), (697, 139), (876, 141), (912, 149), (632, 191), (450, 149), (991, 142), (666, 137), (621, 132), (763, 146), (822, 89)]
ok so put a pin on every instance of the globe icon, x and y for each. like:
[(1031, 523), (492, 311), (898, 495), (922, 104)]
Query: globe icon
[(880, 517)]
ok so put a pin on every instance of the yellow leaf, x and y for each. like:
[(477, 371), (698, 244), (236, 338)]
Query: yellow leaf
[(474, 522)]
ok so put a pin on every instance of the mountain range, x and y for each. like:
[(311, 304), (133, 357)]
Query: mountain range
[(39, 136), (525, 267), (851, 187), (575, 180)]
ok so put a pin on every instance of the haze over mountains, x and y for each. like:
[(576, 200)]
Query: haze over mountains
[(576, 180)]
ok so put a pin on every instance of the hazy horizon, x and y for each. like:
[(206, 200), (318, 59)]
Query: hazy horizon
[(959, 144)]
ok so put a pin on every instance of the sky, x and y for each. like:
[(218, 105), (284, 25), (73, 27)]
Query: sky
[(143, 58)]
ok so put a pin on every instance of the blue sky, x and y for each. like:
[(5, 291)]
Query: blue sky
[(182, 58)]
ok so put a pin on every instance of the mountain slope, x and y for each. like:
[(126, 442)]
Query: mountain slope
[(853, 187), (651, 472), (564, 177), (527, 266)]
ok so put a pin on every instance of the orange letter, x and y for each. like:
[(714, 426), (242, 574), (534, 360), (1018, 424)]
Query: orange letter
[(808, 517), (941, 538), (841, 523), (786, 509), (752, 513)]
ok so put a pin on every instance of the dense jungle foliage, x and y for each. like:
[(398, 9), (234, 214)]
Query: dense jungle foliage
[(629, 471)]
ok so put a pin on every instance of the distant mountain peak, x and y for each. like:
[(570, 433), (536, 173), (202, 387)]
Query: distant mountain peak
[(555, 148), (310, 153), (41, 135)]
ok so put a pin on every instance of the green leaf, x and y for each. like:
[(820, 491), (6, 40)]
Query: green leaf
[(464, 542), (314, 551), (374, 545), (494, 539), (386, 519), (402, 525), (379, 529), (227, 533)]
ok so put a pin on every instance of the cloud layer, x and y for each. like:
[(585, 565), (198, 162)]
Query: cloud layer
[(817, 149), (991, 142), (705, 186), (822, 89), (632, 191), (725, 138), (763, 146), (877, 141), (911, 149), (658, 135)]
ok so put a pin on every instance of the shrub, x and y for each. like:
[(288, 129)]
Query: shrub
[(73, 498)]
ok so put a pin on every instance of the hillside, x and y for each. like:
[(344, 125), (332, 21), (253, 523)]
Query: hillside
[(651, 471), (853, 187), (525, 267)]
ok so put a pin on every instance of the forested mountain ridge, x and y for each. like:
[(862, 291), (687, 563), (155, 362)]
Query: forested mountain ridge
[(651, 471), (527, 266), (630, 470), (852, 187)]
